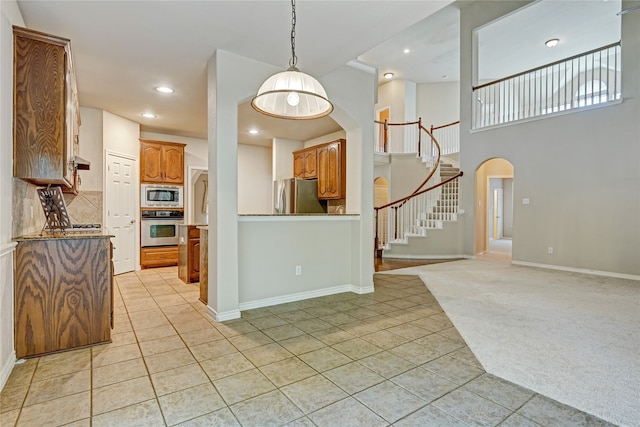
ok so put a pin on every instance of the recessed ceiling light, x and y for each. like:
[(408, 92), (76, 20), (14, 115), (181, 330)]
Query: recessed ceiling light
[(388, 76), (164, 89), (406, 50), (445, 76), (148, 115), (552, 42), (254, 131)]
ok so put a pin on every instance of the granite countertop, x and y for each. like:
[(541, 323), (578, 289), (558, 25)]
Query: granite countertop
[(84, 234)]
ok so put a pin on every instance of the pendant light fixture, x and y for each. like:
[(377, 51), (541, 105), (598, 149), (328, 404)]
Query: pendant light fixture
[(292, 94)]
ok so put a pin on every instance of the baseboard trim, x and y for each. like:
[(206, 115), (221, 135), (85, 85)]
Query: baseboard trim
[(394, 256), (578, 270), (266, 302), (224, 316), (7, 367)]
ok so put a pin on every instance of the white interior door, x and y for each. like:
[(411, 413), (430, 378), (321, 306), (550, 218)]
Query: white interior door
[(498, 213), (120, 203)]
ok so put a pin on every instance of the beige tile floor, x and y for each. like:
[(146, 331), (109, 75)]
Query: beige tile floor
[(387, 358)]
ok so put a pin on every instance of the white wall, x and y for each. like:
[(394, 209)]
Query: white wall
[(325, 138), (120, 135), (392, 95), (438, 103), (90, 148), (270, 251), (282, 150), (580, 171), (10, 16), (255, 184)]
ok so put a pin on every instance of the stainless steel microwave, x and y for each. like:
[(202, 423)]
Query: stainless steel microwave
[(161, 196)]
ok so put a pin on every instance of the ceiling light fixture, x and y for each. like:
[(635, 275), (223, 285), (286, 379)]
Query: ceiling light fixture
[(253, 131), (552, 42), (406, 51), (388, 76), (292, 94), (164, 89), (148, 115)]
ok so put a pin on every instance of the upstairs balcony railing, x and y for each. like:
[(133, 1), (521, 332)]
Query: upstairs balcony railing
[(449, 137), (399, 138), (582, 80)]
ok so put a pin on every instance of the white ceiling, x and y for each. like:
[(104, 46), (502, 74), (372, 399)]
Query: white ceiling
[(124, 49)]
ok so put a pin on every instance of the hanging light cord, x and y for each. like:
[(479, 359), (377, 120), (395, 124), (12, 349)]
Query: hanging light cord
[(294, 59)]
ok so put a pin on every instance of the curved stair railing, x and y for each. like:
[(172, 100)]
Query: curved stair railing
[(424, 208)]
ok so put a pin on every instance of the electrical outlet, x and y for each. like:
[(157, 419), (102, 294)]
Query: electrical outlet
[(549, 250), (298, 270), (525, 201)]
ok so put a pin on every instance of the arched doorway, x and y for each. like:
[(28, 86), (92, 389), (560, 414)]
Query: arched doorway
[(494, 208)]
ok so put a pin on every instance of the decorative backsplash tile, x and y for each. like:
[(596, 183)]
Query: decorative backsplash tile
[(84, 208)]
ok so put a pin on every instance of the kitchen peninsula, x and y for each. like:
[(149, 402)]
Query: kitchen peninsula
[(287, 257), (63, 292)]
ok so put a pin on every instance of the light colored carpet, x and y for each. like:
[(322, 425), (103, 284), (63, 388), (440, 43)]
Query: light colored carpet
[(572, 337)]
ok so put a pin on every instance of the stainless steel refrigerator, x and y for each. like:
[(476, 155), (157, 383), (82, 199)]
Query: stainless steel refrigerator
[(296, 195)]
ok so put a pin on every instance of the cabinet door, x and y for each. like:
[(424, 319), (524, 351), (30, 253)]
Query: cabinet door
[(310, 164), (62, 294), (173, 164), (150, 162), (40, 151), (329, 171), (298, 165), (194, 246)]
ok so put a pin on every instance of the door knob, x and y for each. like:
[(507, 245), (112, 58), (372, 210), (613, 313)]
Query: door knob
[(133, 220)]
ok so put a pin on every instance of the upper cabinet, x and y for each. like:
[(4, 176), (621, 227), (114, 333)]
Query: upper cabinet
[(46, 111), (305, 163), (328, 163), (161, 162), (332, 170)]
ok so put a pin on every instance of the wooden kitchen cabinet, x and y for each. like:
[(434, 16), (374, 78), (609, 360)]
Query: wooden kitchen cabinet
[(158, 256), (332, 170), (63, 293), (46, 109), (161, 162), (305, 163), (189, 253)]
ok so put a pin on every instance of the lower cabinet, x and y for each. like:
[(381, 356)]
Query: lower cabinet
[(63, 294), (158, 256), (189, 253)]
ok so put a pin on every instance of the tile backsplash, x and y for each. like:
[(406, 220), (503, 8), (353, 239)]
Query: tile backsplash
[(28, 217)]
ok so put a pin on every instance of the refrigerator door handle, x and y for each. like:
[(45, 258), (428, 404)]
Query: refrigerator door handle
[(280, 200)]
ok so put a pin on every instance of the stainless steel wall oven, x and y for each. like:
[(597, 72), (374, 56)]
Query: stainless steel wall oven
[(160, 227)]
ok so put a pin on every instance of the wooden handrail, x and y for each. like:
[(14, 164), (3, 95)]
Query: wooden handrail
[(433, 171), (542, 67), (444, 126), (396, 124), (410, 196)]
